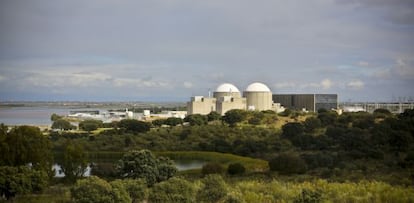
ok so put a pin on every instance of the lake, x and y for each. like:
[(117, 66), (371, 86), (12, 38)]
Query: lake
[(33, 115), (182, 165)]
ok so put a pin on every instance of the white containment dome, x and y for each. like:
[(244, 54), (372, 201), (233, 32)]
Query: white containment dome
[(257, 87), (226, 89), (259, 97)]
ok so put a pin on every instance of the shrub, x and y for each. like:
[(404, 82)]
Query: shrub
[(104, 170), (212, 168), (308, 196), (172, 190), (119, 192), (236, 168), (288, 163), (214, 189), (134, 126), (136, 188), (92, 190), (90, 125)]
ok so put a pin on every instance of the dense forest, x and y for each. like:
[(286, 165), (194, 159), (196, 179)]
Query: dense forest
[(294, 157)]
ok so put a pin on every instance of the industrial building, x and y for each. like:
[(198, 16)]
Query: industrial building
[(307, 102), (257, 96)]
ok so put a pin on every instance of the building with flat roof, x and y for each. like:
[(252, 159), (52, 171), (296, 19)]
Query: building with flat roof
[(201, 105), (308, 102)]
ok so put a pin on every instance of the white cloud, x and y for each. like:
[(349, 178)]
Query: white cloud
[(404, 68), (187, 84), (282, 85), (139, 83), (2, 78), (326, 84), (363, 63), (355, 84)]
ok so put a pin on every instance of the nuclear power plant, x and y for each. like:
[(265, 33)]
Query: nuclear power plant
[(257, 96)]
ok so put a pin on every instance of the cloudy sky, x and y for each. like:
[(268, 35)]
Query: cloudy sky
[(170, 50)]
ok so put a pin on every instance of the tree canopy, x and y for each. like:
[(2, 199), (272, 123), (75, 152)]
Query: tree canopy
[(134, 126), (143, 164)]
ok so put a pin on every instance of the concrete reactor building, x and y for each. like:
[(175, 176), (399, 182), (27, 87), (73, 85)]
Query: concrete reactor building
[(257, 96)]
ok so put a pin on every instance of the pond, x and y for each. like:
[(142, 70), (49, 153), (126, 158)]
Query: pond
[(182, 165)]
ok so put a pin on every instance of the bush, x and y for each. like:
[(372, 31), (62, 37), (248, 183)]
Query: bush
[(288, 163), (196, 119), (308, 196), (173, 190), (104, 170), (136, 188), (90, 125), (92, 190), (214, 189), (235, 169), (119, 192), (21, 180), (293, 129), (134, 126), (212, 168)]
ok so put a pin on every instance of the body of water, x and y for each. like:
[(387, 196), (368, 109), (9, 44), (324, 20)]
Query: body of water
[(33, 115), (181, 166)]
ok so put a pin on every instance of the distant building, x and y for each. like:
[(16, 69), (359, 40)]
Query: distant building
[(308, 102), (393, 107)]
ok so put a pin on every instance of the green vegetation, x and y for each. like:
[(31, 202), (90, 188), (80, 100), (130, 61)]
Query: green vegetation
[(143, 164), (62, 124), (250, 156), (74, 162)]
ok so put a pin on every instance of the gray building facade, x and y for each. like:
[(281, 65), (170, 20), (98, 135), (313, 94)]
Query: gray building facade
[(309, 102)]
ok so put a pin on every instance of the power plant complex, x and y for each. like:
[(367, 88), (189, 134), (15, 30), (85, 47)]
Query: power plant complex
[(257, 96)]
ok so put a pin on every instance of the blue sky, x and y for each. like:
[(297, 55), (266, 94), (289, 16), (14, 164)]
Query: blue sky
[(154, 50)]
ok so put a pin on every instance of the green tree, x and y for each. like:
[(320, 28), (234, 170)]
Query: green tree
[(74, 163), (234, 116), (213, 116), (143, 164), (62, 124), (290, 130), (136, 188), (134, 126), (55, 117), (214, 189), (196, 119), (90, 125), (119, 192), (92, 190), (25, 145), (327, 117), (21, 180), (172, 121), (171, 191), (158, 122), (311, 123)]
